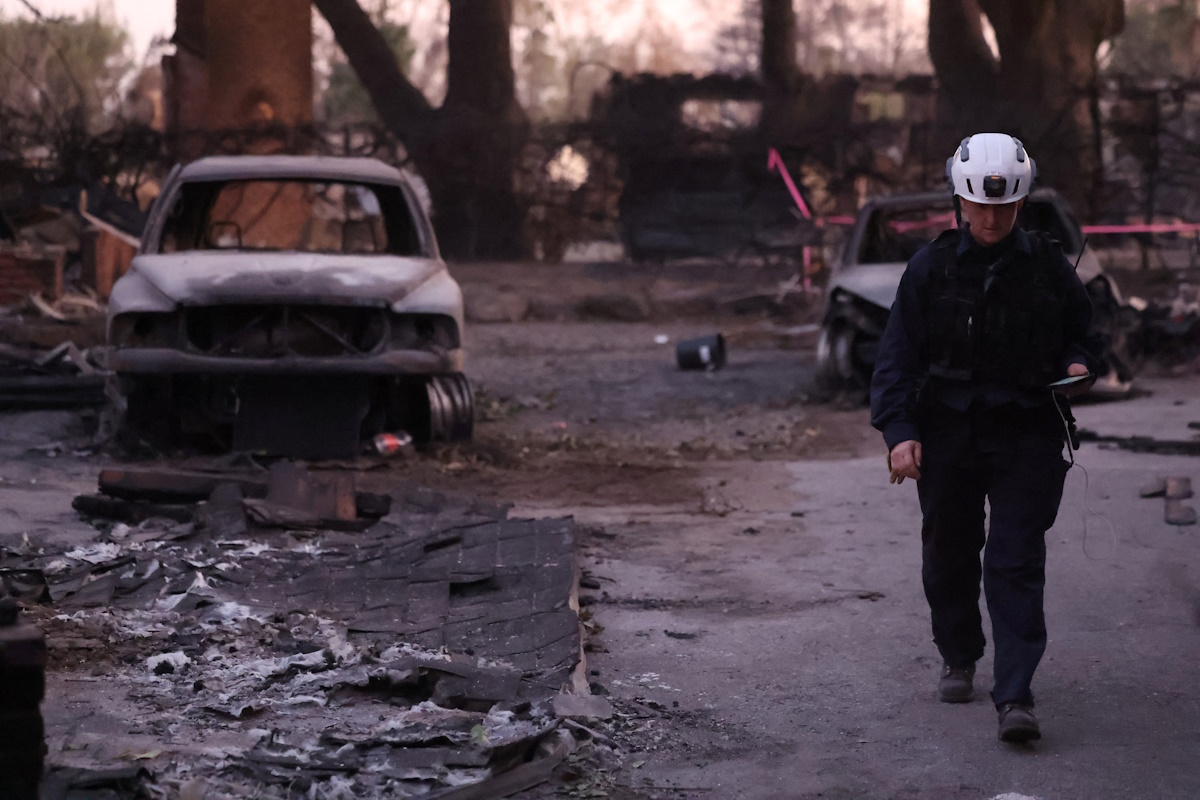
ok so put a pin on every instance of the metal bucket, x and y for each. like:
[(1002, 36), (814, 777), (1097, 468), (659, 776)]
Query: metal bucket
[(706, 352)]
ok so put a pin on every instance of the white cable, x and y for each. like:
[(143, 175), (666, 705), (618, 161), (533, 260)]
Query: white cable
[(1087, 508)]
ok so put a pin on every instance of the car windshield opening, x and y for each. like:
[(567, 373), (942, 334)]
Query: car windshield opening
[(895, 235), (1041, 216), (306, 216)]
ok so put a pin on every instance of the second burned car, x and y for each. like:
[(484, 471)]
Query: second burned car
[(889, 231), (290, 304)]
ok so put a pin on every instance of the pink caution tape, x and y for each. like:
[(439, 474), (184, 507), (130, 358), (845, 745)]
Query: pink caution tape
[(775, 162), (1146, 227)]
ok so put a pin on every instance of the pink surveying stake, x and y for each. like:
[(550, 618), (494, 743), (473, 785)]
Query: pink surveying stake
[(775, 161)]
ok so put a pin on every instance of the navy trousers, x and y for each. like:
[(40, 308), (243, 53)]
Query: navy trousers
[(1013, 458)]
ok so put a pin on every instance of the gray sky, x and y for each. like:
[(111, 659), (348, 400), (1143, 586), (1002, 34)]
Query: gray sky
[(146, 19)]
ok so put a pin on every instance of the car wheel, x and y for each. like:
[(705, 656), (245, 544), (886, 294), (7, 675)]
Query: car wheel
[(451, 408), (838, 365), (433, 408)]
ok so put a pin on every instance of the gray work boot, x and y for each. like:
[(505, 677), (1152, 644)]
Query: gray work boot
[(1017, 723), (956, 684)]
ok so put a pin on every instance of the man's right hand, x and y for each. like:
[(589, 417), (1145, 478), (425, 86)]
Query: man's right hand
[(905, 461)]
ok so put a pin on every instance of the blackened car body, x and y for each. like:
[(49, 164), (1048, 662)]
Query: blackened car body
[(290, 297)]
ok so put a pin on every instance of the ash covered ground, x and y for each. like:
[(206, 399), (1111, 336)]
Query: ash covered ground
[(747, 594)]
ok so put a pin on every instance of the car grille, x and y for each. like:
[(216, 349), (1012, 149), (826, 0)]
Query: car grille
[(275, 331)]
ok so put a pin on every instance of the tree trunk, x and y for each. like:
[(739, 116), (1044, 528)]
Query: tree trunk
[(482, 130), (779, 70), (966, 69), (1042, 89), (467, 150), (781, 114), (480, 72)]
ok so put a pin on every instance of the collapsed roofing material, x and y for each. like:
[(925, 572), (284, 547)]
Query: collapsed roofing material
[(420, 654)]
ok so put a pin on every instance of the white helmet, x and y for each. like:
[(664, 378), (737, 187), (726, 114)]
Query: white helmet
[(991, 168)]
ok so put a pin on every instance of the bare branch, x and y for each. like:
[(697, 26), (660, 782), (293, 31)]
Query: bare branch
[(33, 82), (400, 105), (57, 50)]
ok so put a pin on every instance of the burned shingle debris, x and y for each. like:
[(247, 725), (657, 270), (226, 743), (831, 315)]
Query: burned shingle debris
[(417, 656)]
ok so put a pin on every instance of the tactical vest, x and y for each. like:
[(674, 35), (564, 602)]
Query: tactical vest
[(1004, 328)]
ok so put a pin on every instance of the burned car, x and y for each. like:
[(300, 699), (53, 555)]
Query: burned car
[(889, 231), (289, 304)]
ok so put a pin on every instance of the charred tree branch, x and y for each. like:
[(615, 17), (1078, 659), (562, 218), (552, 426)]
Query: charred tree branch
[(401, 106)]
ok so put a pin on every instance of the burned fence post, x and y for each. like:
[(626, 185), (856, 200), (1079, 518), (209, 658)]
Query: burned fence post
[(22, 687)]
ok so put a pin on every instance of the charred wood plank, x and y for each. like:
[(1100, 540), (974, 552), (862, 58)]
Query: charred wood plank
[(172, 486), (51, 391)]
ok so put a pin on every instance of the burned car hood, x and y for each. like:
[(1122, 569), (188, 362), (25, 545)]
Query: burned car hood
[(216, 277), (876, 283)]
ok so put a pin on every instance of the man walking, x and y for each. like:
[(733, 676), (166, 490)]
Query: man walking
[(986, 318)]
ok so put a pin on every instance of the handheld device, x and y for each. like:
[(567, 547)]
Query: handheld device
[(1072, 380)]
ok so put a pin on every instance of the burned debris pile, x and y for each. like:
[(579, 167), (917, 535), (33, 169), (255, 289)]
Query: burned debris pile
[(22, 686), (56, 234), (51, 318), (1173, 491), (267, 652), (62, 377)]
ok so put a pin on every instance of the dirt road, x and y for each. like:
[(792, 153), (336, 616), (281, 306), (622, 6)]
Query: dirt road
[(764, 624)]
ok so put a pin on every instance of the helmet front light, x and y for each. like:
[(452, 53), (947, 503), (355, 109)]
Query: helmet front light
[(994, 185)]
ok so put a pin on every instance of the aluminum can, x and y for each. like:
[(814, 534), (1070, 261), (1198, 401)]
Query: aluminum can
[(389, 444)]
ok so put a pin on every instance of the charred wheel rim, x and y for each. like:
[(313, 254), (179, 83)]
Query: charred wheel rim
[(836, 355), (451, 408)]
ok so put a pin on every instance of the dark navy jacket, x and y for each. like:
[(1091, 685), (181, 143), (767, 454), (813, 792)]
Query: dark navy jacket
[(903, 359)]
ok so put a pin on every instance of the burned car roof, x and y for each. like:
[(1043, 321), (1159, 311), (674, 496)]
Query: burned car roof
[(229, 168)]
